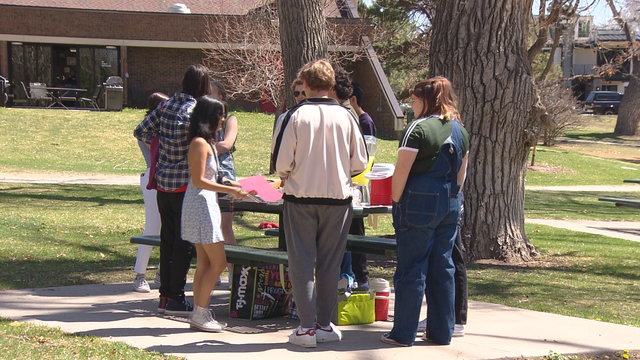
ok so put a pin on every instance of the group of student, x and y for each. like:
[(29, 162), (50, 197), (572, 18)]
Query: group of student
[(317, 147)]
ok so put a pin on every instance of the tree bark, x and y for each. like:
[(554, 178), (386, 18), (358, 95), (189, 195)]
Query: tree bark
[(303, 37), (629, 111), (480, 46), (628, 114)]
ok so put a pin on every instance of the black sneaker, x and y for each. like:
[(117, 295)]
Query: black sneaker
[(177, 308), (162, 304)]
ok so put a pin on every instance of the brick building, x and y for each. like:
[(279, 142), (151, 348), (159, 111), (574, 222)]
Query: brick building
[(66, 42)]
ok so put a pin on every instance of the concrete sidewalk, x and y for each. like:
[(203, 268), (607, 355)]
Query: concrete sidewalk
[(628, 230), (115, 312)]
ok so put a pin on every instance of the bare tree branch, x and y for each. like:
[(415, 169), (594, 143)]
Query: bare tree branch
[(556, 43), (244, 51)]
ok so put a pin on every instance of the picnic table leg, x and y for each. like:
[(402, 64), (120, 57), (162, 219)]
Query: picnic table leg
[(373, 221), (282, 244)]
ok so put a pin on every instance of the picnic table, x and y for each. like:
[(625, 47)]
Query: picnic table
[(273, 208), (253, 256), (620, 202), (60, 94)]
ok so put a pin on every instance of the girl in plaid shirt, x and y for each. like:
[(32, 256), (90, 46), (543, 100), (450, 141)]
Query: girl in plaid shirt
[(171, 123)]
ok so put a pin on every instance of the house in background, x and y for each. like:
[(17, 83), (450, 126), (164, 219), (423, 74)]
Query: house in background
[(149, 44), (583, 48)]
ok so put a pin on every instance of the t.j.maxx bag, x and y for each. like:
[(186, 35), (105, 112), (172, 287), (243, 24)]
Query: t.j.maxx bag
[(259, 292)]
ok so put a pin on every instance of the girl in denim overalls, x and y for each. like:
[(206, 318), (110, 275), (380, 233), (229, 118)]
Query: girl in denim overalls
[(429, 174)]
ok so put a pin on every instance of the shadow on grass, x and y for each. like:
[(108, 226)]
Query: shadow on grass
[(101, 195), (596, 136), (34, 273), (576, 205)]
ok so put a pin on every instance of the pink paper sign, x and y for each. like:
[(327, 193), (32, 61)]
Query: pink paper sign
[(262, 187)]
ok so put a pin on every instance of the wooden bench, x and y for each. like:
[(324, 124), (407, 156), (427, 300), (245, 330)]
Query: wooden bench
[(252, 256), (236, 254), (622, 202)]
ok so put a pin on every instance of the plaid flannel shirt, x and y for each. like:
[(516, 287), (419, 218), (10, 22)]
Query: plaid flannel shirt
[(170, 121)]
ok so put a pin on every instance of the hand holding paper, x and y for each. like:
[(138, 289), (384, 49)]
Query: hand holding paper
[(262, 187)]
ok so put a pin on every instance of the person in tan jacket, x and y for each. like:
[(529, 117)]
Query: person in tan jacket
[(317, 147)]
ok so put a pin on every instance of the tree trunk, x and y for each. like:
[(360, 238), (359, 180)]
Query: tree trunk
[(480, 46), (629, 111), (628, 116), (303, 37)]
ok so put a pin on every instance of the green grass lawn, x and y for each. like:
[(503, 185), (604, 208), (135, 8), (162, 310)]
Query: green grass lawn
[(37, 140), (563, 167), (28, 341), (578, 205), (78, 234), (598, 128), (55, 235), (577, 274)]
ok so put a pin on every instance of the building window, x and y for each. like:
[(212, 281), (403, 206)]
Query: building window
[(29, 64), (583, 29), (96, 65), (61, 65)]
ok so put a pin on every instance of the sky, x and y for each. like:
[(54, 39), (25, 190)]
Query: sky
[(600, 11)]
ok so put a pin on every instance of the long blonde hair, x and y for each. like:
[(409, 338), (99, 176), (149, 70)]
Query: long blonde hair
[(437, 98)]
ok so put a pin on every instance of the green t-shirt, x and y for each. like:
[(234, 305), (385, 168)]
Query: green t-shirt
[(426, 136)]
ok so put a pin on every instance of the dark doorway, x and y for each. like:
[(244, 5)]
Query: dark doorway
[(64, 66)]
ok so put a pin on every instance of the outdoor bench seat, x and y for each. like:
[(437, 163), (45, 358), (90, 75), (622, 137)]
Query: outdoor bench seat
[(236, 254), (622, 202)]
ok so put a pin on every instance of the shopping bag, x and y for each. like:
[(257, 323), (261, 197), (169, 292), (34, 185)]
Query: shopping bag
[(259, 292), (154, 148), (354, 308)]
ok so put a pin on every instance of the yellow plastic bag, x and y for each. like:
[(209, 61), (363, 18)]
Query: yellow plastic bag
[(358, 308), (360, 179)]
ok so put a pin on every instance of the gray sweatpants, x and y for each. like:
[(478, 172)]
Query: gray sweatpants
[(315, 233)]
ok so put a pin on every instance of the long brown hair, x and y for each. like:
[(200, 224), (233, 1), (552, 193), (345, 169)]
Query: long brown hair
[(154, 100), (437, 98)]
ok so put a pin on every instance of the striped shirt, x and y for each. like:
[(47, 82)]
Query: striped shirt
[(171, 122)]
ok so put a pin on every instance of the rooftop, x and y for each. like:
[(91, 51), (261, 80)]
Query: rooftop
[(612, 35), (210, 7)]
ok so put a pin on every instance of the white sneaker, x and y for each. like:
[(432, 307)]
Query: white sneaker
[(422, 325), (157, 278), (140, 284), (304, 339), (201, 319), (328, 335), (219, 282)]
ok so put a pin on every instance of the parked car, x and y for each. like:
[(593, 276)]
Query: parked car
[(603, 102)]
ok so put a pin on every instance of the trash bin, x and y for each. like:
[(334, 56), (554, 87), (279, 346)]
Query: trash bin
[(113, 97), (113, 93)]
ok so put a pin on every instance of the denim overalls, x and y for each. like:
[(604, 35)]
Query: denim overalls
[(227, 166), (426, 224)]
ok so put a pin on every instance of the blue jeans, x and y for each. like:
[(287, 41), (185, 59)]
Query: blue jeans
[(426, 224), (227, 167)]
